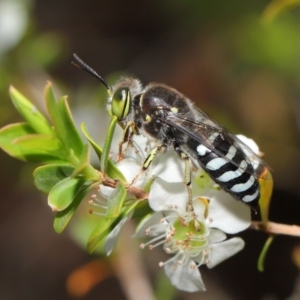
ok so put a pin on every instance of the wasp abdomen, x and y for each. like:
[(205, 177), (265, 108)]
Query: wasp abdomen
[(230, 169)]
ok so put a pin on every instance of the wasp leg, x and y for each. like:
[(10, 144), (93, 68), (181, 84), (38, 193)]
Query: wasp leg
[(129, 131), (188, 183), (159, 148)]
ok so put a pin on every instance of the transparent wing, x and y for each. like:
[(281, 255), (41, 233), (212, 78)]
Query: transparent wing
[(202, 129)]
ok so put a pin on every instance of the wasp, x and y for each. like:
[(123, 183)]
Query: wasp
[(173, 121)]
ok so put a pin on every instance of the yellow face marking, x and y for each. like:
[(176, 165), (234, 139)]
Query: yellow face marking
[(147, 118), (174, 110)]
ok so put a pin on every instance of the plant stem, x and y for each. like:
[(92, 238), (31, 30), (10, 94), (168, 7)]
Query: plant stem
[(139, 194), (276, 228)]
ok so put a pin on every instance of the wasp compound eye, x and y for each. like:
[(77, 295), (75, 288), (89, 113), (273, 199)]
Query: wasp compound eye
[(121, 103)]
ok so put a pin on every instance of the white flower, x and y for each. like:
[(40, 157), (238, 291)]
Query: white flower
[(192, 240), (194, 235)]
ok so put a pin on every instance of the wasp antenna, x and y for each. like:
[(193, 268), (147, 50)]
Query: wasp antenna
[(82, 65)]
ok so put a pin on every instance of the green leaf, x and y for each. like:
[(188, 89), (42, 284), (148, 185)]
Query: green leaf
[(142, 209), (9, 133), (128, 209), (38, 147), (63, 217), (30, 113), (112, 171), (107, 143), (50, 102), (84, 161), (263, 254), (115, 201), (96, 147), (266, 189), (19, 141), (46, 177), (68, 131), (64, 193), (99, 233), (63, 122), (105, 226)]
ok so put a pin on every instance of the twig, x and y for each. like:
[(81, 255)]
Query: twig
[(276, 228), (139, 194)]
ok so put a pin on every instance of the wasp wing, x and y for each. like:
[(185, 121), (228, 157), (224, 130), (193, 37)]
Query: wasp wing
[(203, 129)]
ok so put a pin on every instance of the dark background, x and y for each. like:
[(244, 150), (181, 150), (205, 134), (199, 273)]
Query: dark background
[(238, 60)]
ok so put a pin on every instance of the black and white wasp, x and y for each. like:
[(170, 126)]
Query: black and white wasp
[(170, 118)]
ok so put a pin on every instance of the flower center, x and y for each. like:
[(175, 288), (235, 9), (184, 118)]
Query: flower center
[(180, 236), (184, 236)]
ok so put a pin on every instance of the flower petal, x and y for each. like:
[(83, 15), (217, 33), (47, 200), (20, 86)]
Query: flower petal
[(199, 206), (105, 191), (224, 250), (185, 277), (112, 238), (228, 214), (249, 143), (130, 168), (249, 147), (168, 196), (168, 167), (216, 236), (150, 220)]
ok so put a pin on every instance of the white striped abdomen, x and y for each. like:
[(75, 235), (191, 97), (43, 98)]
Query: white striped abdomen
[(228, 166)]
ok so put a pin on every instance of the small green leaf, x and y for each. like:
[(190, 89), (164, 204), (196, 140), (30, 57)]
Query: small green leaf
[(63, 122), (266, 189), (142, 209), (263, 254), (39, 147), (50, 101), (30, 113), (115, 201), (63, 217), (127, 210), (19, 141), (107, 143), (84, 161), (96, 147), (105, 226), (112, 171), (99, 233), (64, 193), (9, 133), (67, 129), (46, 177)]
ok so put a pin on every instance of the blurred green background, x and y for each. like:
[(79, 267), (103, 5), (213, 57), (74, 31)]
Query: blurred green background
[(238, 60)]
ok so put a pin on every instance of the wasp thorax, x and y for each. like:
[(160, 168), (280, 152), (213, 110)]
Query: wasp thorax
[(120, 104)]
